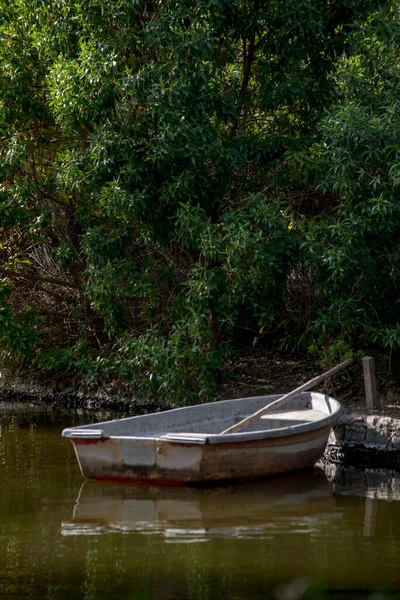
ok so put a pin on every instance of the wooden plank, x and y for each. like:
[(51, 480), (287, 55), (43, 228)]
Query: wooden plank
[(306, 386)]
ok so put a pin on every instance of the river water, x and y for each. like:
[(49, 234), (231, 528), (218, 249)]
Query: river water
[(317, 534)]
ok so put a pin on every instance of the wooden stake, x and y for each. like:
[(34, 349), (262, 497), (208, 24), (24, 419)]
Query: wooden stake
[(306, 386), (371, 395)]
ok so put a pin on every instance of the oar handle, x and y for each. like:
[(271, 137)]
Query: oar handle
[(283, 399)]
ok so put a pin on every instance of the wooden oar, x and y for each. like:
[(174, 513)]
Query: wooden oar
[(306, 386)]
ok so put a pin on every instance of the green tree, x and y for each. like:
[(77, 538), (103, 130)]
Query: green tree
[(355, 252), (145, 169)]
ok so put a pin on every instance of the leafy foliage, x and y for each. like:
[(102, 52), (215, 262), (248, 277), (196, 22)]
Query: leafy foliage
[(155, 171), (356, 252)]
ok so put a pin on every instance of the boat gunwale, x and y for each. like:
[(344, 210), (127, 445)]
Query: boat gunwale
[(77, 434)]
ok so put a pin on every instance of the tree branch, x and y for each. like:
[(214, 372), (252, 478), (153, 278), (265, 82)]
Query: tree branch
[(248, 59), (40, 278)]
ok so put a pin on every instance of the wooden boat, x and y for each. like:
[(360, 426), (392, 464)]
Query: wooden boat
[(186, 446)]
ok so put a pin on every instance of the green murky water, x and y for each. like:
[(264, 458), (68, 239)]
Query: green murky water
[(336, 535)]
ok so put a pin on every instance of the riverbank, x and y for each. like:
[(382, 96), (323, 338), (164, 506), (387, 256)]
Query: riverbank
[(359, 438)]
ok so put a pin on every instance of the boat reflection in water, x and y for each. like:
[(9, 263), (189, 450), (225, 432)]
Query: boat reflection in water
[(301, 502)]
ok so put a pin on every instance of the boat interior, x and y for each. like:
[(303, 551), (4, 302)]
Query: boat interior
[(214, 418)]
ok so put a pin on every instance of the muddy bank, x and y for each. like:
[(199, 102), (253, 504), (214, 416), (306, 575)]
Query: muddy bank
[(254, 371), (118, 400)]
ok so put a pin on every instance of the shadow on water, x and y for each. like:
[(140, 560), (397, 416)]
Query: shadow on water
[(28, 414), (331, 534)]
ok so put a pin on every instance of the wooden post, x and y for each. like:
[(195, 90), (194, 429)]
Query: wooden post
[(371, 395)]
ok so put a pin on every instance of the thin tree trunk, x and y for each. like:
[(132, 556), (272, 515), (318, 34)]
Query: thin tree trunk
[(248, 59)]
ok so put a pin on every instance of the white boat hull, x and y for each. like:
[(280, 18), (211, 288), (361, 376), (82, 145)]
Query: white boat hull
[(184, 446)]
